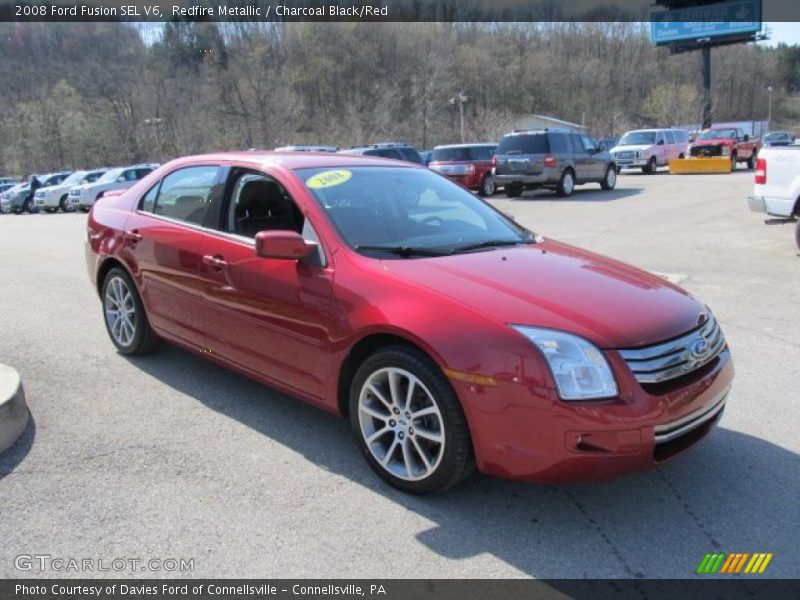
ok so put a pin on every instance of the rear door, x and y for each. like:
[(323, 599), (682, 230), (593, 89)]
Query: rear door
[(163, 243), (583, 161)]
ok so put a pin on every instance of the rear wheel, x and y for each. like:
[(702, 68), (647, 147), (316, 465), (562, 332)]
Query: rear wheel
[(610, 180), (513, 190), (566, 184), (409, 423), (751, 162), (797, 235), (487, 186), (124, 316)]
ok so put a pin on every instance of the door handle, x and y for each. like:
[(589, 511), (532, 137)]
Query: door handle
[(216, 262), (133, 236)]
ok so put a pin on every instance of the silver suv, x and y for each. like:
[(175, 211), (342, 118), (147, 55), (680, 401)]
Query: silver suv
[(555, 159), (84, 196)]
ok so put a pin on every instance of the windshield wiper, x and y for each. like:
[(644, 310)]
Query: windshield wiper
[(404, 250), (489, 244)]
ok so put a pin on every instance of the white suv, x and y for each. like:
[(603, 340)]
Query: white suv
[(53, 197), (84, 196), (649, 149)]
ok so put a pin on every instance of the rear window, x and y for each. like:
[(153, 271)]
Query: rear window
[(524, 144), (463, 153)]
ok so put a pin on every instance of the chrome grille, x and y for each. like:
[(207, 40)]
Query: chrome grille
[(668, 360), (624, 154)]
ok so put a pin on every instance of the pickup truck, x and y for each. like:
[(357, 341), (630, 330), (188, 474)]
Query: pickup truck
[(726, 141), (777, 184)]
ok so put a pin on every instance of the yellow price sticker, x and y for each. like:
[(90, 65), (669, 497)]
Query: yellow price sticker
[(328, 179)]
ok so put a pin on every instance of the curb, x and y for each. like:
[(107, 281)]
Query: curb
[(14, 413)]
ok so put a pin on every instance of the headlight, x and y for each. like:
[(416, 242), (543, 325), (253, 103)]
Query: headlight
[(726, 151), (579, 369)]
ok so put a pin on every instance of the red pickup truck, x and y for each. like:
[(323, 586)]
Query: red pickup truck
[(726, 141)]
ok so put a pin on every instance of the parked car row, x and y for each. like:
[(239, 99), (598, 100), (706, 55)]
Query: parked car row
[(69, 190)]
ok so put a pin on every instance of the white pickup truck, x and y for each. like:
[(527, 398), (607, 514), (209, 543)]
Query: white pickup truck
[(777, 184)]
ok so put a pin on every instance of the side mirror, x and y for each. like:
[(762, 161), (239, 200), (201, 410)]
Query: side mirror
[(284, 244), (746, 137)]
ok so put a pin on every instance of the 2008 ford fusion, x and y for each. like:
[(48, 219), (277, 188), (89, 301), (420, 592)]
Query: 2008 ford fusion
[(452, 337)]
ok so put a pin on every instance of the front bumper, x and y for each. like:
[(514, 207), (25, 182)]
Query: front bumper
[(628, 163), (528, 433)]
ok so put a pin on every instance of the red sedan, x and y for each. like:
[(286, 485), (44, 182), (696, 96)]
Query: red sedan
[(452, 337)]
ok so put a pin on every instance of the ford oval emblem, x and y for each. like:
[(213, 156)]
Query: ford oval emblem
[(699, 349)]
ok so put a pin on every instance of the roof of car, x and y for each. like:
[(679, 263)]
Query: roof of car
[(475, 145), (293, 160)]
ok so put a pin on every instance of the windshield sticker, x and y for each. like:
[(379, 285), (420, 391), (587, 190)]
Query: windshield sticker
[(328, 179)]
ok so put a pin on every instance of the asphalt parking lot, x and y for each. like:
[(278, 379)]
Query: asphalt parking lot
[(169, 456)]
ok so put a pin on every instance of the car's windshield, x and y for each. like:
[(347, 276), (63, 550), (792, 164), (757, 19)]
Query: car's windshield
[(712, 134), (76, 177), (110, 176), (91, 177), (376, 208), (634, 138)]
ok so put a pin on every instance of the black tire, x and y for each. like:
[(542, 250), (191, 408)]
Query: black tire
[(84, 209), (610, 180), (797, 235), (64, 204), (144, 339), (566, 185), (751, 161), (488, 187), (513, 190), (652, 166), (734, 160), (456, 461)]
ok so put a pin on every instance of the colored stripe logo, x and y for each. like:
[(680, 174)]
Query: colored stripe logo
[(734, 563)]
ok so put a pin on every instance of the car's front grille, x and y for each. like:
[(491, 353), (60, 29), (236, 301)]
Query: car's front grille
[(710, 150), (668, 360), (625, 155)]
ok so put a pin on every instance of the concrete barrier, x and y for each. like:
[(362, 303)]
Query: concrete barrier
[(14, 414)]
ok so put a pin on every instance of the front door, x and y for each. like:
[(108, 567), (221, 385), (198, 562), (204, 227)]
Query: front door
[(272, 317)]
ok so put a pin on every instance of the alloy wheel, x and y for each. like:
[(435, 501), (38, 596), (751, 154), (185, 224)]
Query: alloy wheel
[(120, 311), (401, 424)]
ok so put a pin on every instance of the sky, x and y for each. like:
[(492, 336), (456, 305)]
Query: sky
[(786, 32)]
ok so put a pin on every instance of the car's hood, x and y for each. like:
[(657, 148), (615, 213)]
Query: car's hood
[(55, 189), (560, 287), (632, 147)]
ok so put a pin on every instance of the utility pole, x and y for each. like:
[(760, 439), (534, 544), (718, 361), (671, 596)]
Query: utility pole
[(156, 124), (770, 89), (461, 99), (706, 57)]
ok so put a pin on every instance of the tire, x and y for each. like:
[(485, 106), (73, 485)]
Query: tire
[(797, 235), (751, 161), (488, 187), (64, 204), (133, 335), (513, 190), (566, 185), (734, 160), (84, 209), (652, 166), (415, 463), (610, 180)]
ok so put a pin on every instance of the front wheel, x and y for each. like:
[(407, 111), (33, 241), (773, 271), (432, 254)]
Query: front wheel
[(566, 185), (124, 316), (409, 423), (487, 186), (610, 180), (652, 166), (734, 160), (65, 205)]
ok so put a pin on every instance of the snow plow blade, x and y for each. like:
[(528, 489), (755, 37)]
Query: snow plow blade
[(700, 165)]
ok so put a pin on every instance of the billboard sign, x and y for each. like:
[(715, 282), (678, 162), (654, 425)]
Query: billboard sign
[(728, 20)]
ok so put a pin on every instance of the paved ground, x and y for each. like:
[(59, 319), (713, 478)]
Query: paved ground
[(169, 456)]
